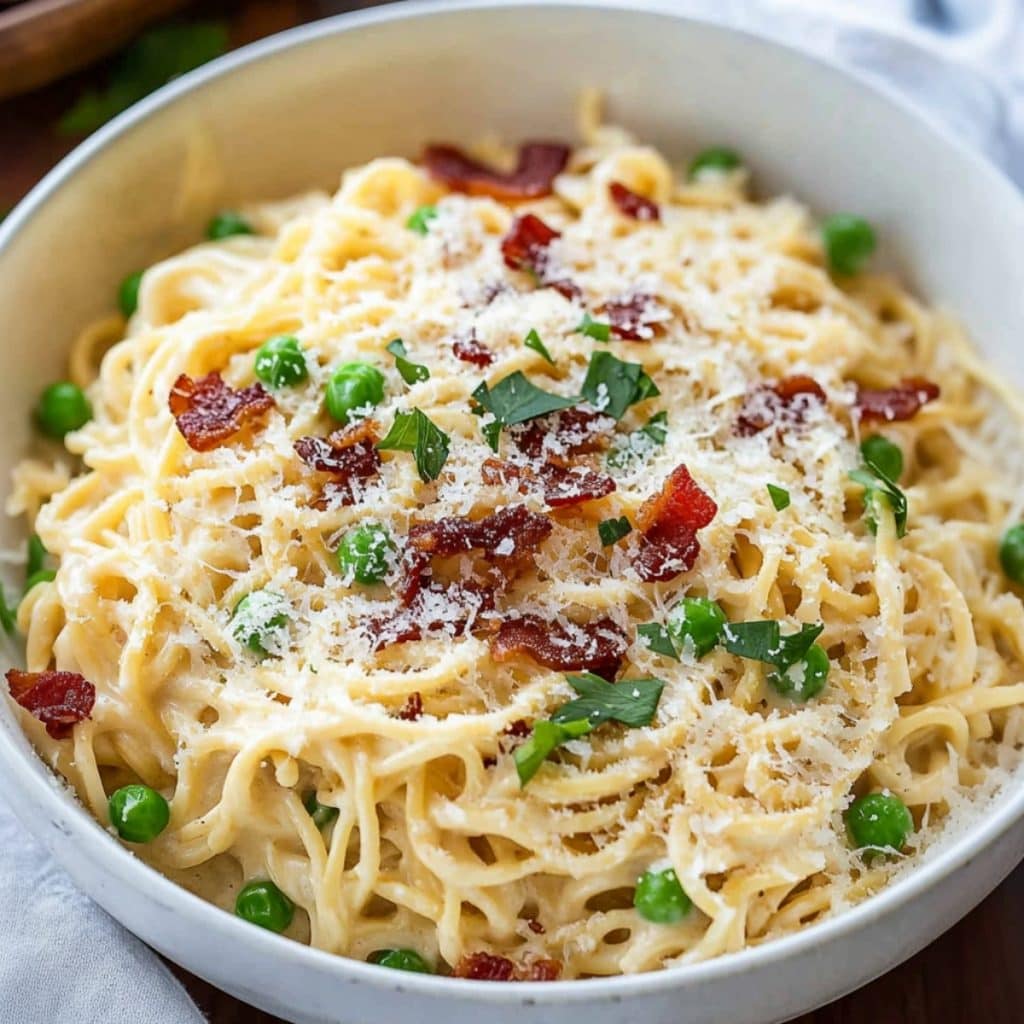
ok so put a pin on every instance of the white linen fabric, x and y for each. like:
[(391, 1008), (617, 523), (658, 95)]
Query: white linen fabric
[(64, 959)]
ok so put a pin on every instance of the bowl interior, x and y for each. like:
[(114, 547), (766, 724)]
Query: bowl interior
[(292, 112)]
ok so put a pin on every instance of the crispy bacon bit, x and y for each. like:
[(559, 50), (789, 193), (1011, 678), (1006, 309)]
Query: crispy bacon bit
[(561, 486), (349, 455), (668, 524), (634, 318), (209, 412), (898, 403), (413, 708), (509, 533), (536, 169), (60, 700), (535, 926), (595, 647), (633, 205), (520, 728), (433, 607), (566, 288), (469, 350), (525, 247), (488, 967), (563, 434), (785, 403)]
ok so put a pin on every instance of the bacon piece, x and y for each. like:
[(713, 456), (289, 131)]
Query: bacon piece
[(538, 165), (509, 533), (209, 412), (60, 700), (634, 318), (633, 205), (535, 926), (349, 455), (561, 486), (785, 403), (668, 523), (469, 350), (596, 647), (413, 707), (434, 607), (899, 403), (520, 728), (525, 247), (488, 967), (563, 434)]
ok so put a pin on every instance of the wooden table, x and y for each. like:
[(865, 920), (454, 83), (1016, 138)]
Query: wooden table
[(973, 974)]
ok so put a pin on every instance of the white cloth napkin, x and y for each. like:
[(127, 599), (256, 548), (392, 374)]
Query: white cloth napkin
[(62, 959)]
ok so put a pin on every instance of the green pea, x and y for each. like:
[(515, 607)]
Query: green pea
[(401, 960), (353, 386), (228, 223), (128, 294), (264, 904), (62, 407), (322, 814), (1011, 553), (280, 362), (881, 454), (879, 822), (660, 898), (806, 678), (138, 812), (260, 622), (365, 553), (718, 159), (699, 620), (849, 241)]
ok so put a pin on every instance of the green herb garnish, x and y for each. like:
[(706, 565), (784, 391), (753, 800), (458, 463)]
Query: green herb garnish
[(612, 530), (629, 701), (414, 432), (514, 399), (763, 641), (880, 490), (591, 328), (779, 496), (658, 639), (532, 340), (419, 220), (639, 444), (545, 737), (612, 385), (882, 456), (412, 373)]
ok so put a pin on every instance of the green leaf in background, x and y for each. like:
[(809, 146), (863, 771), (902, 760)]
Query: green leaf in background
[(157, 56)]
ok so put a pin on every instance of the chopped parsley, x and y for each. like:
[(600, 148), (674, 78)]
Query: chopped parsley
[(514, 399), (545, 737), (412, 373), (591, 328), (639, 444), (658, 639), (419, 220), (882, 456), (414, 432), (532, 340), (613, 530), (880, 490), (779, 496), (612, 385), (629, 701), (763, 641)]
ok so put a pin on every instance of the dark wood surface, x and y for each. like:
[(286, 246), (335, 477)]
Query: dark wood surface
[(974, 974)]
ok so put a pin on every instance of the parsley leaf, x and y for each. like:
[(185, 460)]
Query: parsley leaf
[(419, 220), (36, 557), (779, 496), (883, 457), (514, 399), (878, 488), (612, 385), (412, 373), (532, 340), (629, 701), (612, 530), (152, 60), (591, 328), (639, 444), (6, 614), (545, 737), (658, 639), (763, 641), (414, 432)]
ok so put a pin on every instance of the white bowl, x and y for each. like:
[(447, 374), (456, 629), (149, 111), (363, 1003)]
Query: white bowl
[(291, 112)]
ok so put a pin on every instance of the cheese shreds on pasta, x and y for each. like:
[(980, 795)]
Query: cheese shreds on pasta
[(437, 845)]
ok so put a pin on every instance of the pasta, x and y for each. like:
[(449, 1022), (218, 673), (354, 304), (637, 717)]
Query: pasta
[(429, 837)]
